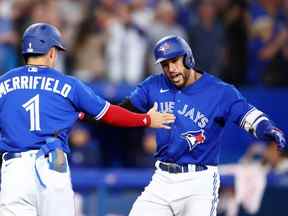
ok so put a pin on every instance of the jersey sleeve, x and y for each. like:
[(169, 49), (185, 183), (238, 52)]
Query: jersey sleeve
[(242, 113), (236, 105), (86, 100), (140, 96)]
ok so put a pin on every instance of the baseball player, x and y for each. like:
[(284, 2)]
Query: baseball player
[(39, 105), (186, 180)]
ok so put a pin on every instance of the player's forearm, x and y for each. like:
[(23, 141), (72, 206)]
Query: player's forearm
[(257, 123), (121, 117)]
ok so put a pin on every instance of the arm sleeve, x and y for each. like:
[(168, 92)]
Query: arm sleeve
[(249, 117), (86, 100), (121, 117), (236, 106)]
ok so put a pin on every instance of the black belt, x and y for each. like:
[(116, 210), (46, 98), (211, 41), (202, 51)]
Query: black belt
[(176, 168), (9, 155)]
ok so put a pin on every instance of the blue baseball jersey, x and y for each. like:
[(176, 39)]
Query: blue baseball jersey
[(39, 102), (201, 111)]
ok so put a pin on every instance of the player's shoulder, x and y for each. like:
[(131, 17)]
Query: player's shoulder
[(221, 85), (12, 72), (153, 79), (59, 75)]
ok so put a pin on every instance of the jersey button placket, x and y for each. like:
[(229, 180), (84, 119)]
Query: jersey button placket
[(178, 96)]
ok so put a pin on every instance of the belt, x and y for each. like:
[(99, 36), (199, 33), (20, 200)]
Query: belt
[(176, 168), (9, 155)]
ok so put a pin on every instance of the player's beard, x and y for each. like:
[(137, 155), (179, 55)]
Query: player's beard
[(181, 79)]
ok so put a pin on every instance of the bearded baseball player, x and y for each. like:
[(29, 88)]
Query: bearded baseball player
[(186, 180), (39, 105)]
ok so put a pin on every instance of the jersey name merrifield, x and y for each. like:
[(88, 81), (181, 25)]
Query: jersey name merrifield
[(34, 82)]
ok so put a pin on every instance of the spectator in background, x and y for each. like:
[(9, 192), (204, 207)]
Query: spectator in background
[(21, 17), (89, 48), (259, 166), (185, 13), (126, 47), (268, 38), (5, 8), (49, 12), (148, 148), (84, 147), (207, 38), (73, 13), (8, 40), (249, 184), (279, 165), (142, 15), (235, 22), (164, 23)]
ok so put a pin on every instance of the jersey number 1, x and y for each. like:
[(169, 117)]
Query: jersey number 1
[(32, 106)]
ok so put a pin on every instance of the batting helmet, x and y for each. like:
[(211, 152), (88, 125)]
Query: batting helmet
[(38, 38), (172, 46)]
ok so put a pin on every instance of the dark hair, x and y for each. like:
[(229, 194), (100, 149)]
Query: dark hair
[(27, 56)]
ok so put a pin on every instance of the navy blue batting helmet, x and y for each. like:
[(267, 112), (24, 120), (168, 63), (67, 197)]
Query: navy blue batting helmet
[(38, 38), (171, 47)]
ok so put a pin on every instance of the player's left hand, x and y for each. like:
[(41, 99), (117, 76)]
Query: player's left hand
[(278, 137), (160, 120)]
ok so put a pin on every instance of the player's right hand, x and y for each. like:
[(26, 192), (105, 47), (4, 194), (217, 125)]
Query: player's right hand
[(160, 120)]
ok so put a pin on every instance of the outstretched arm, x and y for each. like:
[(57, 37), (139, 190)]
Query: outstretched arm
[(118, 116), (257, 123), (252, 119)]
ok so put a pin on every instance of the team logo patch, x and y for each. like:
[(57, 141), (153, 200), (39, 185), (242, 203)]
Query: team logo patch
[(164, 47), (30, 49), (194, 138)]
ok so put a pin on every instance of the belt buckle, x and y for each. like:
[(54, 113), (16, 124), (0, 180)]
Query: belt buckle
[(176, 168), (171, 168), (191, 167)]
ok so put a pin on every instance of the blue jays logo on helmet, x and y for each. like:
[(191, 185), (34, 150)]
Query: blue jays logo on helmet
[(194, 138), (38, 38), (164, 47), (171, 47)]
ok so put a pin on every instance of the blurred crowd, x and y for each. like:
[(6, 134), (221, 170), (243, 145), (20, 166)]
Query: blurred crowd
[(109, 45), (242, 41), (260, 166)]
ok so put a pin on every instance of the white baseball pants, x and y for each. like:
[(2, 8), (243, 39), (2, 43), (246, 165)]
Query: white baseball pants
[(30, 188), (181, 194)]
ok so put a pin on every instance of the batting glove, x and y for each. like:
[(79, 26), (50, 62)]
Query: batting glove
[(278, 137)]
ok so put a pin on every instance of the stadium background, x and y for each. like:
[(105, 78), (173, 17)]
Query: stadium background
[(110, 47)]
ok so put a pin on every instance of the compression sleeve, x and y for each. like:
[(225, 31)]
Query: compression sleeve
[(118, 116)]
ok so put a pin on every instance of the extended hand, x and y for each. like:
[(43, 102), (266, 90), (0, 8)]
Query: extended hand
[(278, 137), (160, 120)]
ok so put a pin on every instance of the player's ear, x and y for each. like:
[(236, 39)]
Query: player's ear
[(52, 55), (54, 52), (51, 52)]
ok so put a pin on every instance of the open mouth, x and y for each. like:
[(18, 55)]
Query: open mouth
[(176, 78)]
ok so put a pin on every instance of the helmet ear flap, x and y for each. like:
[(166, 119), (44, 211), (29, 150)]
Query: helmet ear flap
[(188, 61)]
